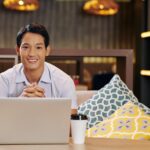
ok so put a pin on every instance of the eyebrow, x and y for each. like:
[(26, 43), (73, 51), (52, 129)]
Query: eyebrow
[(39, 43), (35, 44)]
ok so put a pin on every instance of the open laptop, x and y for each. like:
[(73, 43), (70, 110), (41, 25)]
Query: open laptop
[(34, 120)]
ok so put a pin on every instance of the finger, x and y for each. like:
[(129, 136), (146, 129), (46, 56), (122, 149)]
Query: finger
[(39, 94), (31, 85), (33, 91), (29, 89), (39, 89), (28, 94), (35, 94)]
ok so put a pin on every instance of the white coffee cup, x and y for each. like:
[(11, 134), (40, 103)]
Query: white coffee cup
[(78, 128)]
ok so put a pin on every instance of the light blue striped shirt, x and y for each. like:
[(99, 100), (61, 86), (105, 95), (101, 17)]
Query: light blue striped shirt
[(54, 81)]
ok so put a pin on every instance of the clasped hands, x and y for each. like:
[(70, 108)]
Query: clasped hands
[(33, 90)]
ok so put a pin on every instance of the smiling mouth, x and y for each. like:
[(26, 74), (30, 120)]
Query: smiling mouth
[(32, 60)]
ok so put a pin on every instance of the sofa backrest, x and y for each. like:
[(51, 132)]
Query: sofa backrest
[(84, 95)]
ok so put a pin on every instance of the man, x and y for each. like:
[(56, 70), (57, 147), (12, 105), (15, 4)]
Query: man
[(33, 77)]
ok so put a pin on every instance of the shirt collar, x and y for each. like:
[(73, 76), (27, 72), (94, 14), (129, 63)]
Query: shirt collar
[(46, 77)]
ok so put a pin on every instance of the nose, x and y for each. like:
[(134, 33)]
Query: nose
[(32, 51)]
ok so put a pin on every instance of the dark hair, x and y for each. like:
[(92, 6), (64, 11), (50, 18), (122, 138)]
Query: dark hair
[(33, 28)]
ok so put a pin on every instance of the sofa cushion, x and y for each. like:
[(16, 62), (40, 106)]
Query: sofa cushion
[(106, 101), (129, 122)]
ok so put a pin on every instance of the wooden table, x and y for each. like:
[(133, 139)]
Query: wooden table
[(90, 144)]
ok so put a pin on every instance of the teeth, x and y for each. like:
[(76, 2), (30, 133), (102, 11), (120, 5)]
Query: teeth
[(32, 60)]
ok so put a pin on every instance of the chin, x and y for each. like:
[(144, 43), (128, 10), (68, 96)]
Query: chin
[(32, 67)]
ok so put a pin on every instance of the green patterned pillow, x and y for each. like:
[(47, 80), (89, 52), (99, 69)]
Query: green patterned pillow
[(106, 101)]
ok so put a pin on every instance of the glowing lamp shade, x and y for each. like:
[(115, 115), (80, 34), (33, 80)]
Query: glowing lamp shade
[(145, 34), (21, 5), (101, 7)]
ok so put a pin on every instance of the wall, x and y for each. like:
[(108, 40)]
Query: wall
[(71, 28)]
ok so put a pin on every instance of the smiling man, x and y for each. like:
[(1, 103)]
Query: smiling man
[(34, 77)]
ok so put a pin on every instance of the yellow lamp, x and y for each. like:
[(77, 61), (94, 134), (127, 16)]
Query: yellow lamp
[(21, 5), (101, 7)]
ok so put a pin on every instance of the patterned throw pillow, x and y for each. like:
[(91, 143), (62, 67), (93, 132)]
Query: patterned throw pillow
[(143, 107), (129, 122), (106, 101)]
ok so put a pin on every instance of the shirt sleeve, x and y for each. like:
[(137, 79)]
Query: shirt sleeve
[(3, 87), (70, 92)]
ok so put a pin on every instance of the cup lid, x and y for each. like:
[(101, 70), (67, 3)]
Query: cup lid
[(78, 117)]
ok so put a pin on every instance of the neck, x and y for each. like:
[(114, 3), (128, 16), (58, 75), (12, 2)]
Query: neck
[(33, 76)]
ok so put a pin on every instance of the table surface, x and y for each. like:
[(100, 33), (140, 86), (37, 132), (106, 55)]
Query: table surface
[(90, 144)]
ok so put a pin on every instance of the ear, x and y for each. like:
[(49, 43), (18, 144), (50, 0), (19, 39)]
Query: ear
[(18, 50), (48, 50)]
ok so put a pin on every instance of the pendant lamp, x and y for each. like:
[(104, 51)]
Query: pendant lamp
[(101, 7), (21, 5)]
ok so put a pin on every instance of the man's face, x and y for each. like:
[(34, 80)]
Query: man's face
[(32, 51)]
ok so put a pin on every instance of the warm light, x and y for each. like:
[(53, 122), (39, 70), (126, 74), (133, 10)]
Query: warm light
[(145, 72), (145, 34), (21, 2), (21, 5), (101, 7)]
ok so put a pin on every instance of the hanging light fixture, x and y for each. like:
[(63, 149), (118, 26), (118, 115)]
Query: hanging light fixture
[(145, 34), (101, 7), (21, 5)]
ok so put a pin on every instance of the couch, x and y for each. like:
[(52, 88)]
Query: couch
[(84, 95)]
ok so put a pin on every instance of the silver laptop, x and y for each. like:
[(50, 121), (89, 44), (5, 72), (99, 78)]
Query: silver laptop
[(34, 120)]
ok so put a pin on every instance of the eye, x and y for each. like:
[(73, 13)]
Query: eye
[(39, 48), (24, 47)]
